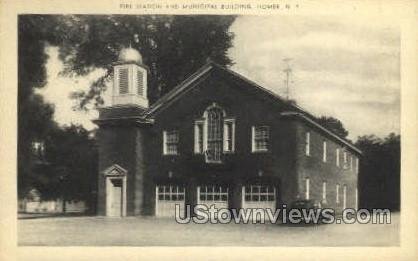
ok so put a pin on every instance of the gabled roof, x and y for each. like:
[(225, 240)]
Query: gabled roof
[(201, 74)]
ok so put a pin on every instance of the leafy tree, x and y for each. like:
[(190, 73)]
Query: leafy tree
[(379, 177), (34, 115), (333, 125), (172, 46)]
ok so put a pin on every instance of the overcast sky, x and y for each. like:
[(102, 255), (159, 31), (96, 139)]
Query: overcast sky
[(342, 67)]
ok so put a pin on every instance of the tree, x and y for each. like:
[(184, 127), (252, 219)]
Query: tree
[(379, 176), (333, 125), (34, 115), (173, 47)]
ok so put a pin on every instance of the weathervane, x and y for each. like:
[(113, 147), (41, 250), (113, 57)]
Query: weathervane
[(288, 72)]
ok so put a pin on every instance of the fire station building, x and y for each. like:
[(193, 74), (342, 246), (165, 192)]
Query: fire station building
[(216, 138)]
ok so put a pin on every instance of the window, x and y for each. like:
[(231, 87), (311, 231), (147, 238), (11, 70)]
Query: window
[(308, 144), (214, 134), (259, 193), (260, 138), (337, 157), (123, 80), (213, 193), (345, 196), (356, 200), (229, 135), (214, 117), (170, 193), (337, 193), (324, 151), (357, 165), (324, 191), (198, 137), (140, 82), (345, 159), (307, 188), (351, 162), (170, 140)]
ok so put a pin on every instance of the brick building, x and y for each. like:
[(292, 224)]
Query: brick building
[(216, 138)]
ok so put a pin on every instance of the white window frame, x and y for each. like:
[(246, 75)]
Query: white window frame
[(249, 191), (357, 165), (168, 194), (344, 196), (307, 188), (337, 157), (231, 122), (204, 193), (345, 159), (197, 148), (165, 147), (308, 143), (337, 193), (324, 151), (253, 142), (324, 190)]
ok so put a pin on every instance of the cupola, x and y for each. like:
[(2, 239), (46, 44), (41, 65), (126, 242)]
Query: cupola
[(130, 79)]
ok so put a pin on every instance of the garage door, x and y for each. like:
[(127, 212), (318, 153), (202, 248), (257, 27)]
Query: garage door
[(166, 199), (259, 196), (213, 195)]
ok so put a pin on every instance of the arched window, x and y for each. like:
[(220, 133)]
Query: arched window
[(214, 134), (214, 119)]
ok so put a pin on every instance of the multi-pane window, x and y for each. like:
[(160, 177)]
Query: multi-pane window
[(260, 138), (171, 141), (214, 134), (337, 193), (123, 80), (171, 193), (337, 157), (324, 151), (324, 190), (308, 144), (307, 185), (259, 193), (229, 135), (198, 137), (213, 193)]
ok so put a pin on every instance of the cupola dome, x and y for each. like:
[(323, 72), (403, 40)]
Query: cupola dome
[(130, 55)]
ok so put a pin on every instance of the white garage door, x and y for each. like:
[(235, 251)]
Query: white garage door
[(213, 195), (259, 196), (166, 199)]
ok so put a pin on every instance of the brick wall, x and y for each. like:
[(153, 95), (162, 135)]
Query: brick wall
[(317, 171)]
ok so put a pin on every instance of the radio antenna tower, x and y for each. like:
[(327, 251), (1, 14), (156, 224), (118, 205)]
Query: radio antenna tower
[(288, 72)]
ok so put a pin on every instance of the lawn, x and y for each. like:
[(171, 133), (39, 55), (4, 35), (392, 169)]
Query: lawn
[(151, 231)]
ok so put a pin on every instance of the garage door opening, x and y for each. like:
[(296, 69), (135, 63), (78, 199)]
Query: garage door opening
[(259, 197), (167, 197)]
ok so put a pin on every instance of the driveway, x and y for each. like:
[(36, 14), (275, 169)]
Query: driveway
[(151, 231)]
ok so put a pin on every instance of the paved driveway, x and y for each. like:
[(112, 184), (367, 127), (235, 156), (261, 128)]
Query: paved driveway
[(151, 231)]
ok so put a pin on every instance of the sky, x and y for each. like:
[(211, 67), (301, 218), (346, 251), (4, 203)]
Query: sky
[(343, 67)]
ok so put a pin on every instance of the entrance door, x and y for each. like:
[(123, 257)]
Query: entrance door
[(115, 197)]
